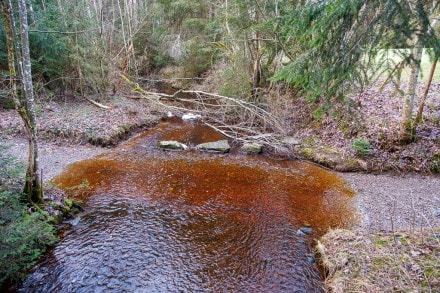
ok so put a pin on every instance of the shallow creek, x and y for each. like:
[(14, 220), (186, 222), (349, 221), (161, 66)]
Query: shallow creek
[(163, 221)]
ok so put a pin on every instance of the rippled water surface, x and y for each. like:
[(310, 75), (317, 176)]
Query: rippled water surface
[(158, 221)]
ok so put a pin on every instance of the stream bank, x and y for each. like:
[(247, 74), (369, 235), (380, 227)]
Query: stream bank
[(405, 201), (389, 202)]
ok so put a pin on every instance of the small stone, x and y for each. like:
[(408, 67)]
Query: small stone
[(251, 148), (300, 233), (311, 259), (75, 221), (306, 230), (306, 224), (221, 146), (288, 140), (172, 145)]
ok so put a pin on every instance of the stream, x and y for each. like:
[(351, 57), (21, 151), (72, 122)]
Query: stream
[(187, 221)]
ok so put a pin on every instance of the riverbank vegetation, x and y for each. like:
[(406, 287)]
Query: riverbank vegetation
[(25, 233), (352, 83)]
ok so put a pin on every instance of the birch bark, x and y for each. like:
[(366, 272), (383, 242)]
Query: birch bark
[(18, 51)]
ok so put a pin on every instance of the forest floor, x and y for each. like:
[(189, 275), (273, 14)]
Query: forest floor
[(396, 189)]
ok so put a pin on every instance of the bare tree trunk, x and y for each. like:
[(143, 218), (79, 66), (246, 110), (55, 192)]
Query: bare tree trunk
[(419, 115), (33, 188), (397, 89), (256, 68), (405, 132), (24, 103)]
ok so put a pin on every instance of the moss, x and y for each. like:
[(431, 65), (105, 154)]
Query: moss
[(375, 262), (7, 103), (380, 242), (65, 209), (345, 128), (68, 202), (307, 153)]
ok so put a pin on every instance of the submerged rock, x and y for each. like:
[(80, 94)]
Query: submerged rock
[(306, 230), (251, 148), (221, 146), (172, 145)]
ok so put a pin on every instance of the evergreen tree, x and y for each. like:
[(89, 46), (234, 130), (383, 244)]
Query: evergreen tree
[(338, 41)]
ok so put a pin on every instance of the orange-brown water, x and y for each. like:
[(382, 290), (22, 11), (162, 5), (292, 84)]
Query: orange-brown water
[(161, 221)]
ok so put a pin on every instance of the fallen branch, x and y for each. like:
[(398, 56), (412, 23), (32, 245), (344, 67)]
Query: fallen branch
[(235, 118), (97, 104), (171, 79)]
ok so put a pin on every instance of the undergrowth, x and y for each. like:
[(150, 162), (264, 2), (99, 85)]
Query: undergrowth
[(24, 233), (24, 236)]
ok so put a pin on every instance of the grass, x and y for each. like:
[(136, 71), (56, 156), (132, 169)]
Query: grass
[(395, 56), (381, 262)]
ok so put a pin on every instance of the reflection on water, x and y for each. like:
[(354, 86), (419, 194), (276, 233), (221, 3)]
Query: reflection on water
[(157, 221)]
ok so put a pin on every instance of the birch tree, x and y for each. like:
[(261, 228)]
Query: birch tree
[(339, 41), (19, 57), (425, 28)]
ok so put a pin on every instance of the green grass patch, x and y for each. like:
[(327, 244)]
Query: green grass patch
[(362, 146), (396, 55)]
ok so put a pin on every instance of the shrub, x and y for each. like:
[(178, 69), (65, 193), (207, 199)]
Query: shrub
[(199, 57), (435, 163), (11, 171), (24, 236), (362, 146), (236, 82)]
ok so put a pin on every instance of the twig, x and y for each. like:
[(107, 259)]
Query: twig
[(97, 104), (171, 79), (397, 67)]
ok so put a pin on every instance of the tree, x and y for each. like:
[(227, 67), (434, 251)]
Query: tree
[(19, 56), (424, 35), (338, 41)]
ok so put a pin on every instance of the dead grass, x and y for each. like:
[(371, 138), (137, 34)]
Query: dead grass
[(380, 262)]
